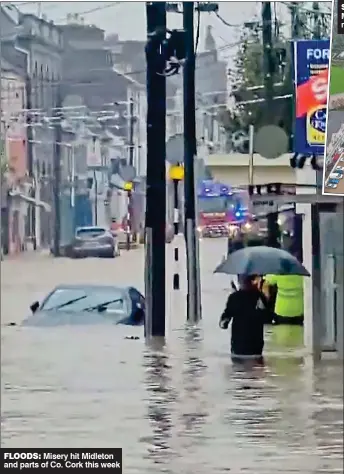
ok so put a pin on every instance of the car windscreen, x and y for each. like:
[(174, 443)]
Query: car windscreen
[(78, 299), (90, 233)]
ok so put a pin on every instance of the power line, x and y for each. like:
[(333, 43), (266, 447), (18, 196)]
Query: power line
[(81, 108), (225, 22), (71, 82), (304, 9)]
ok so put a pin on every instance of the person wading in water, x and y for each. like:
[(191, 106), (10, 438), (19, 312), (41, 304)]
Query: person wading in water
[(246, 308)]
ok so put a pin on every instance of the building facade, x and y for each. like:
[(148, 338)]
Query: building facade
[(14, 155), (233, 169)]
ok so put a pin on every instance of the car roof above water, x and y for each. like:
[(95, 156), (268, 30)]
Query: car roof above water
[(90, 228), (90, 287)]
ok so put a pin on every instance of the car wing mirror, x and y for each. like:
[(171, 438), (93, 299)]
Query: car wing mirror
[(34, 307)]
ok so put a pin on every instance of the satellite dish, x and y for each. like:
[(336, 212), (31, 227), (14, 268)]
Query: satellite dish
[(271, 142), (127, 172)]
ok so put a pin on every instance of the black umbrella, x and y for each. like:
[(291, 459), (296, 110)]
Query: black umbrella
[(261, 260)]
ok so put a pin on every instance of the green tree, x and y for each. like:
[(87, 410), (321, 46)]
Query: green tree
[(249, 72), (3, 160), (337, 40)]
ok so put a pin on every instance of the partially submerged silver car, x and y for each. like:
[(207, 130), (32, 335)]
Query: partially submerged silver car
[(93, 241)]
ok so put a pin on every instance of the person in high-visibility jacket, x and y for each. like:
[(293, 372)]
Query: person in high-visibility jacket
[(289, 305)]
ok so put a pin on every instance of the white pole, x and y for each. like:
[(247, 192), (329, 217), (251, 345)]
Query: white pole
[(38, 209), (251, 156), (72, 194)]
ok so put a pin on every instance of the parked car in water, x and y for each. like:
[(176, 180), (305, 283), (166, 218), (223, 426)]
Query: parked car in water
[(332, 181), (88, 304), (331, 185), (93, 241), (336, 175)]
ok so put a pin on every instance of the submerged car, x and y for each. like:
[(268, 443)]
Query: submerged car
[(88, 304), (93, 241)]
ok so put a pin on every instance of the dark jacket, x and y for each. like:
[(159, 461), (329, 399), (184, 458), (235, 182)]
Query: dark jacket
[(246, 309)]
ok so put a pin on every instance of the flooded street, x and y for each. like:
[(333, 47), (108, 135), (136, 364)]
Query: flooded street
[(183, 409)]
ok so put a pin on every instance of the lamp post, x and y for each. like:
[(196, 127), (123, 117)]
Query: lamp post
[(128, 186)]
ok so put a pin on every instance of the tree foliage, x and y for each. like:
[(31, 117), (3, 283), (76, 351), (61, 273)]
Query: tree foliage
[(3, 160), (337, 40), (249, 72)]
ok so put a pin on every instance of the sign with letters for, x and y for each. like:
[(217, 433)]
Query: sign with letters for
[(311, 68)]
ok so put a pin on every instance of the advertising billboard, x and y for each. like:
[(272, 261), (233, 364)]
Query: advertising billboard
[(310, 68)]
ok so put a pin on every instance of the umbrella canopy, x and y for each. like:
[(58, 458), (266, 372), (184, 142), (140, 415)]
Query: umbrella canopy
[(261, 260)]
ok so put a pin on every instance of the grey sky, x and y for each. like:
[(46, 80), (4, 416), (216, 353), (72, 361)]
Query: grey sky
[(127, 19)]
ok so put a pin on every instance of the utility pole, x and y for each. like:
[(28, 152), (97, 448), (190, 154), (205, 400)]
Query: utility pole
[(155, 225), (317, 19), (131, 132), (131, 163), (268, 59), (30, 160), (190, 152), (295, 20), (95, 187), (269, 68), (57, 174)]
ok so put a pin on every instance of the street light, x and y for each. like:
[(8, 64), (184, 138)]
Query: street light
[(128, 186), (176, 174)]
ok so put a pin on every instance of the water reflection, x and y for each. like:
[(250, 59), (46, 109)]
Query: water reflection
[(161, 397), (194, 407)]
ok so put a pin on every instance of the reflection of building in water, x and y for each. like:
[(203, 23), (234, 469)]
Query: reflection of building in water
[(160, 401), (194, 407)]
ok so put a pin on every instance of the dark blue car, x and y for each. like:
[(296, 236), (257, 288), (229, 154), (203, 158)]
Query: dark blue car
[(88, 304)]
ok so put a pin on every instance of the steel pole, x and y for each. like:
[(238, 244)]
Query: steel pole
[(190, 151), (57, 175)]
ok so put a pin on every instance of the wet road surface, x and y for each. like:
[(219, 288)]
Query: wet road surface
[(182, 409)]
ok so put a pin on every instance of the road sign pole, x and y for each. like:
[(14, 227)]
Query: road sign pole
[(193, 303), (251, 157)]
